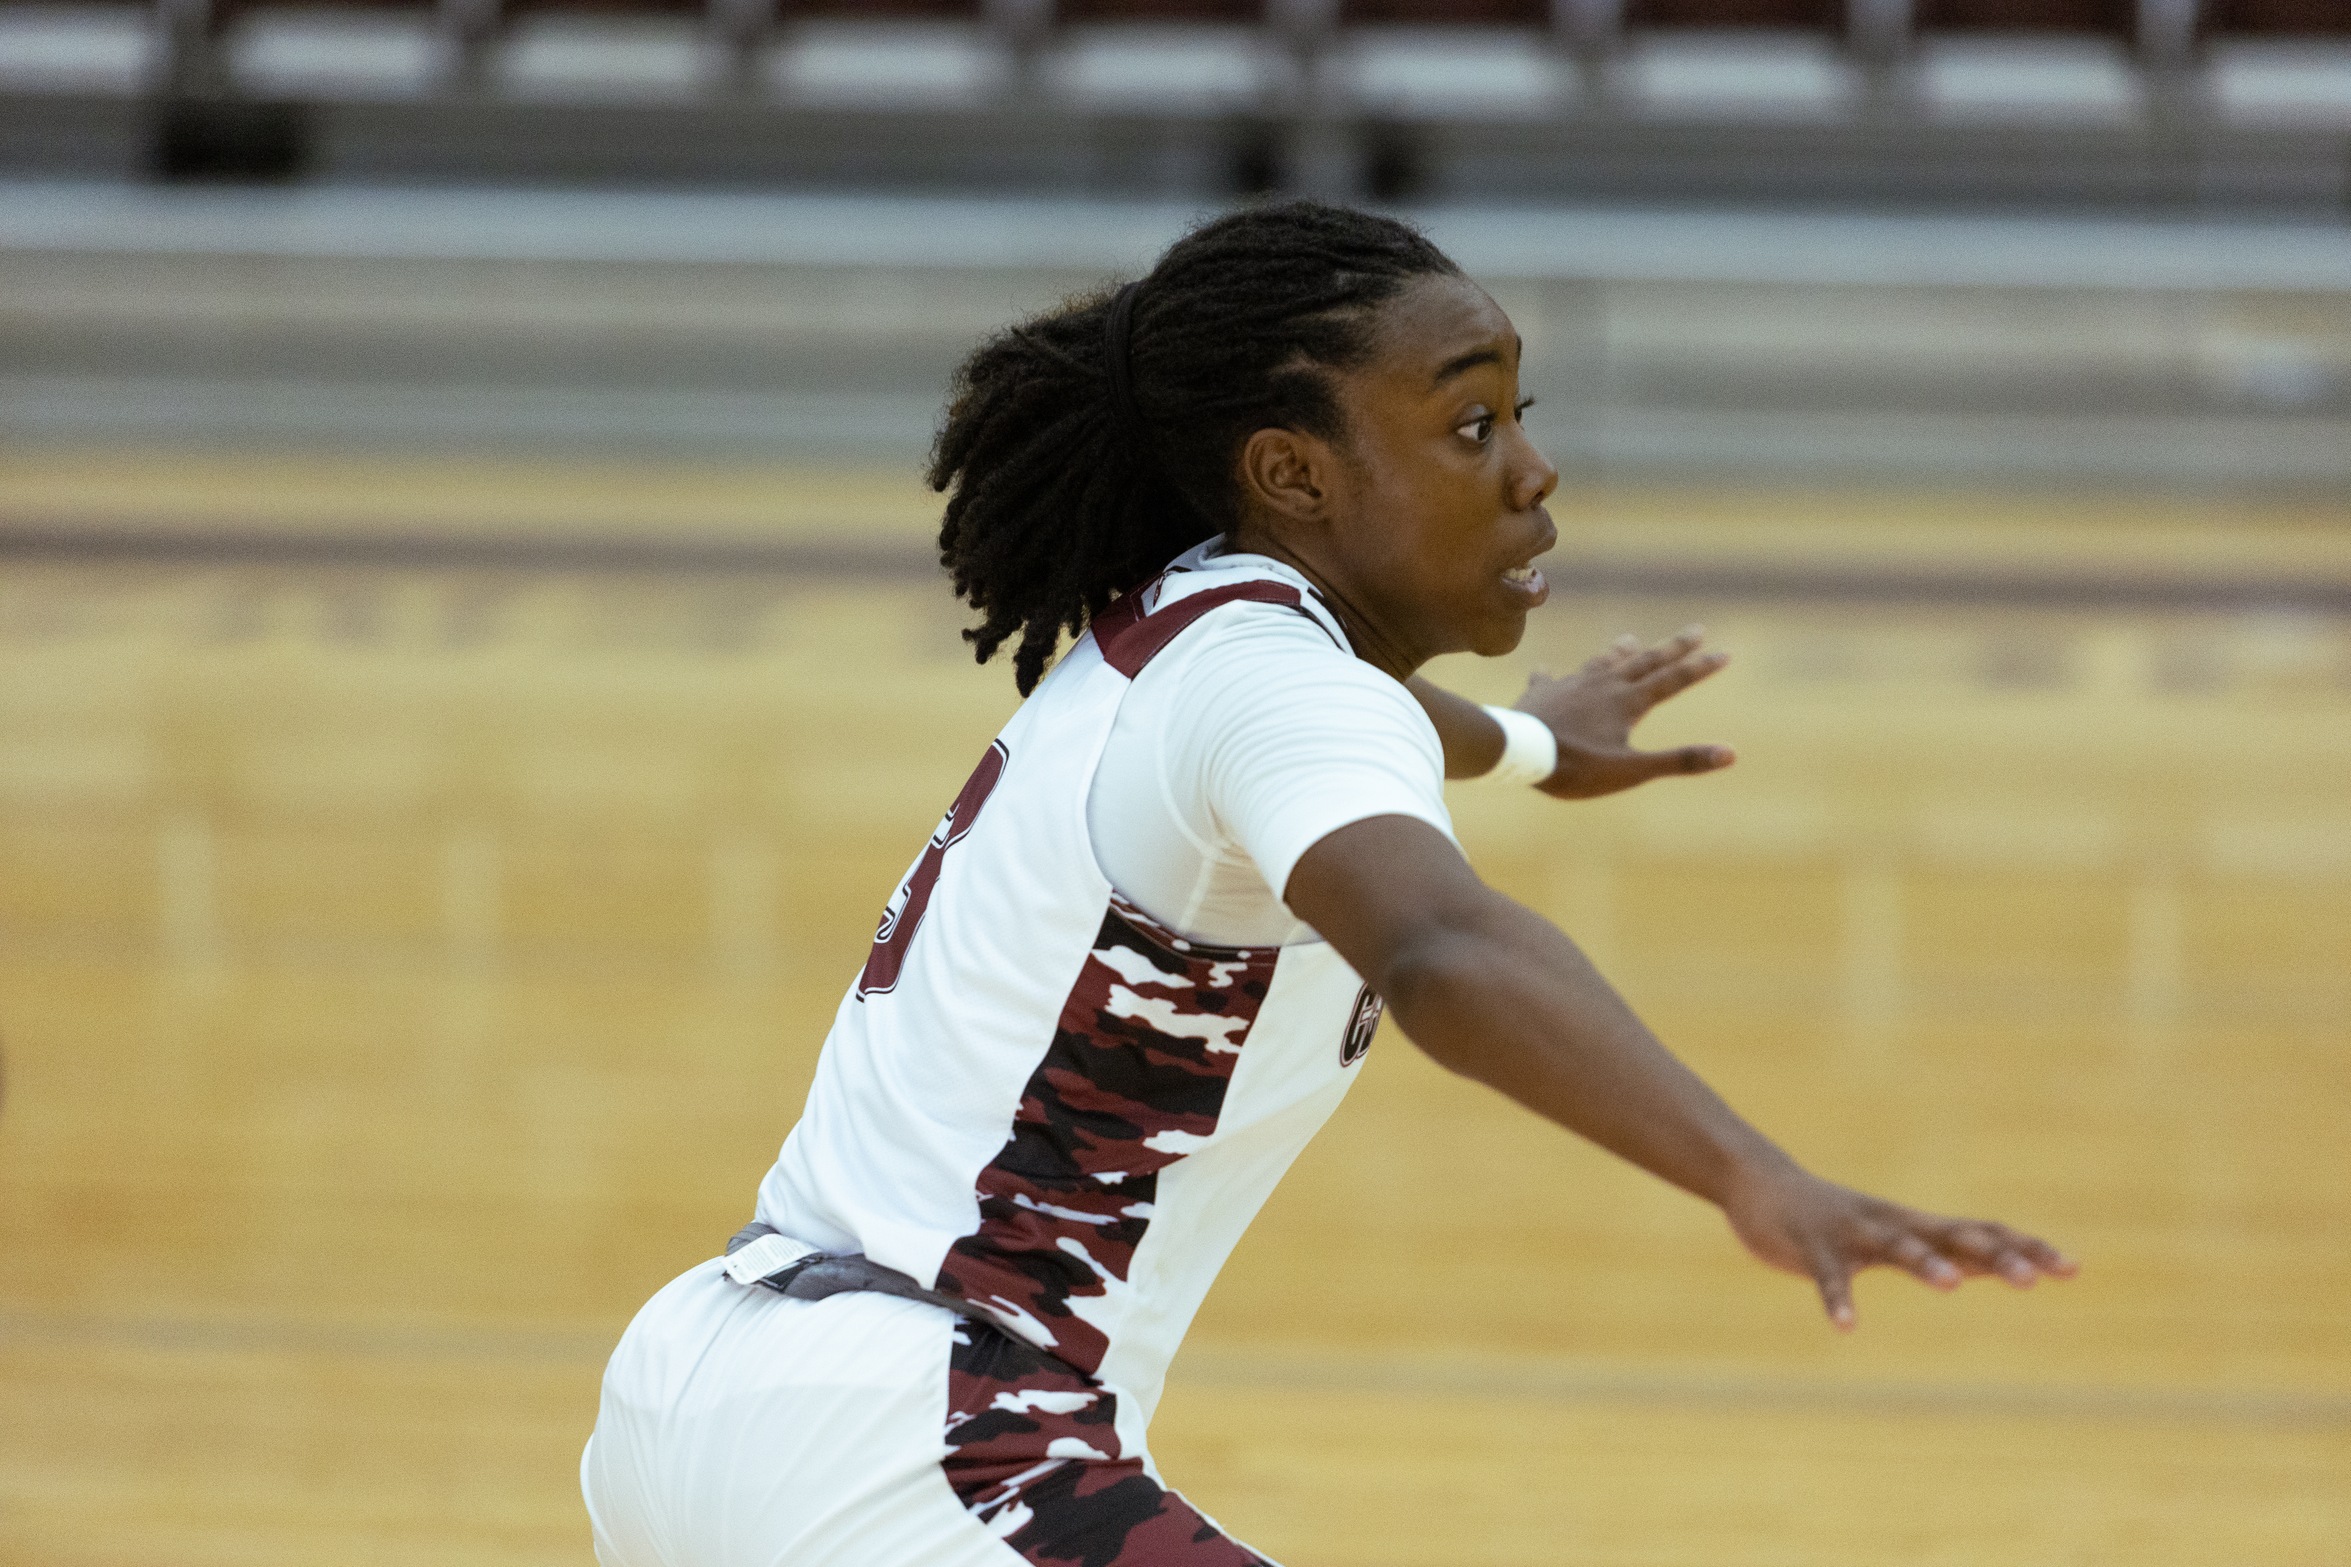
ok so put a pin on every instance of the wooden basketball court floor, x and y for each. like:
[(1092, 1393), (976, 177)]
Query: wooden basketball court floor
[(408, 967)]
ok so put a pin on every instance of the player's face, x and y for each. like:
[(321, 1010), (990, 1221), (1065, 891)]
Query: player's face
[(1442, 512)]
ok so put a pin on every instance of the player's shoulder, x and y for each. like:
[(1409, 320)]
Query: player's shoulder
[(1259, 644), (1254, 603), (1252, 663)]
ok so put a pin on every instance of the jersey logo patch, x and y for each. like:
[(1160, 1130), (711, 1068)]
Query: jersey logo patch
[(1363, 1021)]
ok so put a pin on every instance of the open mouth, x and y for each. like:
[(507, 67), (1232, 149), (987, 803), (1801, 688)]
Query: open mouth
[(1527, 583)]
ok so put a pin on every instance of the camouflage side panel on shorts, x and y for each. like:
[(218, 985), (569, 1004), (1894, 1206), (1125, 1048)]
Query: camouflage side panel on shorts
[(1030, 1455), (1134, 1079)]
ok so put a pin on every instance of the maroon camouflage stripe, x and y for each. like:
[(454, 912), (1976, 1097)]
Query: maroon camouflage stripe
[(1134, 1078), (1128, 638), (1020, 1428)]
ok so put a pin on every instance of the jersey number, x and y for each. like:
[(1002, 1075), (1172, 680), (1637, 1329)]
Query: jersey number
[(904, 915)]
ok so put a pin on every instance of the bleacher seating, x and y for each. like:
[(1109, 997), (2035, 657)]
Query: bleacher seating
[(949, 10), (607, 7), (2130, 21), (1239, 74), (2115, 18), (1463, 13), (1229, 12), (1793, 15), (2277, 18)]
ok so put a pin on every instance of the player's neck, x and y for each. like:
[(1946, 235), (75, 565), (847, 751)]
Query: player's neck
[(1371, 641)]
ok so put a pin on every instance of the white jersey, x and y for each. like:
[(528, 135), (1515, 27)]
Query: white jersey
[(1041, 1100), (1238, 749)]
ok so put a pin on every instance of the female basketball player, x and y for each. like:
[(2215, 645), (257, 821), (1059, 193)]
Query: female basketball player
[(1143, 955)]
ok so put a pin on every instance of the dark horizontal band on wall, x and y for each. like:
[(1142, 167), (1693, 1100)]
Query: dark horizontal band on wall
[(1787, 581), (440, 552)]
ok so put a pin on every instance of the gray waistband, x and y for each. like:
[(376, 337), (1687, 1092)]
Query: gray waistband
[(817, 1276)]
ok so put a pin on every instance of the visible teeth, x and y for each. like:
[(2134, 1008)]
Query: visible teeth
[(1524, 576)]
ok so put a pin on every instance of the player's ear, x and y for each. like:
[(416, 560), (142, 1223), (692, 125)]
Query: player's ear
[(1286, 473)]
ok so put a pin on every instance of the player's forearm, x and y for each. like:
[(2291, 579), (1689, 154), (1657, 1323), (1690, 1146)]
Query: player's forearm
[(1506, 999), (1473, 742)]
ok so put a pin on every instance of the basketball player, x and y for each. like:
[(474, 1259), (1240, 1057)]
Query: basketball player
[(1143, 955)]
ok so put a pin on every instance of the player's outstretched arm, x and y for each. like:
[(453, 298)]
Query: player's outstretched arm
[(1591, 712), (1495, 992)]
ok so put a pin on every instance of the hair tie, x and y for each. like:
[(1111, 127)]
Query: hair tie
[(1117, 327)]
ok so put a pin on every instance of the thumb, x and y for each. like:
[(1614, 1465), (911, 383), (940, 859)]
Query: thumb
[(1835, 1283), (1685, 759)]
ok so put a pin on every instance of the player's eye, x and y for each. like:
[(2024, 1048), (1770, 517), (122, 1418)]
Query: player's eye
[(1479, 430), (1520, 412)]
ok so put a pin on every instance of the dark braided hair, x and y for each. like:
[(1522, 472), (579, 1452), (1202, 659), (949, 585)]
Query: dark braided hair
[(1056, 508)]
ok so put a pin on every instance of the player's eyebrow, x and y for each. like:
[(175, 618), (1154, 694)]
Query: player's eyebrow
[(1469, 361)]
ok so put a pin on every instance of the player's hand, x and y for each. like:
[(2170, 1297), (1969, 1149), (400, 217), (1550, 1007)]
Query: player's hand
[(1593, 712), (1801, 1224)]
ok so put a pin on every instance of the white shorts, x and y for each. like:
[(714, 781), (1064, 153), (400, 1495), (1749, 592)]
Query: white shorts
[(742, 1428)]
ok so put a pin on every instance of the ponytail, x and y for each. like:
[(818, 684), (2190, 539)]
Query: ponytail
[(1087, 447)]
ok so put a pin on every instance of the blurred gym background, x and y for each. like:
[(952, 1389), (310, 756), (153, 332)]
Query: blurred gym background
[(472, 667)]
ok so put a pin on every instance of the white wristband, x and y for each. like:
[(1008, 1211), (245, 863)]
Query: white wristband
[(1530, 751)]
